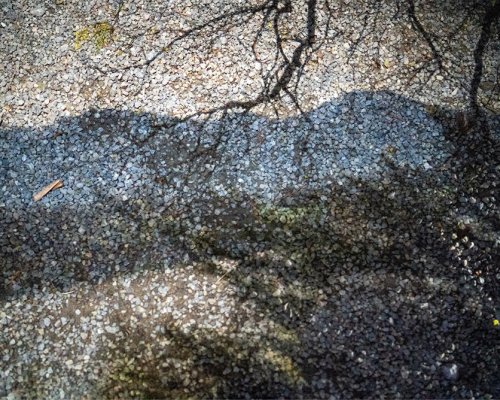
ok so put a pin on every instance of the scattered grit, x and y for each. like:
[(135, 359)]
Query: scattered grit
[(345, 251)]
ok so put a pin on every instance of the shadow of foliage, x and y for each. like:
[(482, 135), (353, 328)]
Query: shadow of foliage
[(311, 259)]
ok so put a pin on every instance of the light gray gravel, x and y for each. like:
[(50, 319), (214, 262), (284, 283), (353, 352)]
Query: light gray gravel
[(346, 248)]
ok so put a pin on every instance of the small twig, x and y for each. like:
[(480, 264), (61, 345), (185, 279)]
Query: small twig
[(222, 277), (54, 185)]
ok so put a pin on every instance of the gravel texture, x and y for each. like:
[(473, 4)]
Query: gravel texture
[(337, 239)]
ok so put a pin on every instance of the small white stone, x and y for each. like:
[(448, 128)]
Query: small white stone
[(38, 11), (450, 372), (112, 329)]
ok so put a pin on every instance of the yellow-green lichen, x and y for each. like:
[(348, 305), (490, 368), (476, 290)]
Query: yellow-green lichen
[(285, 335), (100, 34), (391, 150), (81, 36), (103, 33), (291, 215), (284, 364)]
